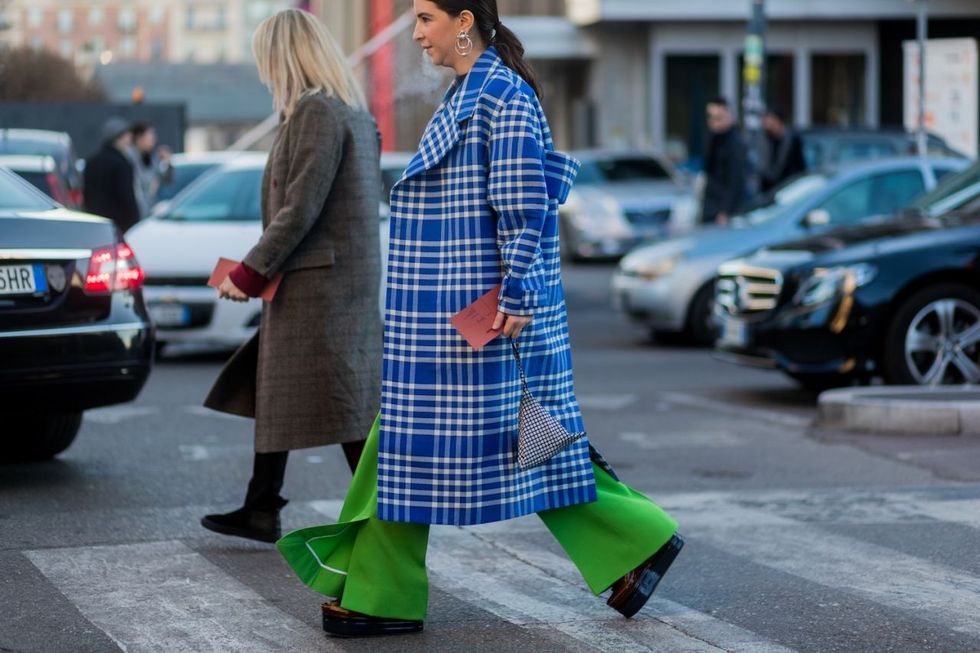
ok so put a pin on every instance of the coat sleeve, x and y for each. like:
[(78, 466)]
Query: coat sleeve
[(314, 151), (518, 195)]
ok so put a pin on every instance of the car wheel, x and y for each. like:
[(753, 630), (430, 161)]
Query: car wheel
[(566, 241), (38, 437), (934, 338), (702, 327)]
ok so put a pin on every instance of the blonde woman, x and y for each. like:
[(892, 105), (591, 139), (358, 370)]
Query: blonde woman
[(311, 375)]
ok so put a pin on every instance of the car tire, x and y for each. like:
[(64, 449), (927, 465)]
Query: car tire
[(700, 327), (38, 437), (920, 324)]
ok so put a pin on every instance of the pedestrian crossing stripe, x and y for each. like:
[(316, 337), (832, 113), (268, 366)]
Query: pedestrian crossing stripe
[(149, 594)]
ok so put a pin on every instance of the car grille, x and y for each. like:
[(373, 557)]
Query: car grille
[(747, 290), (175, 281)]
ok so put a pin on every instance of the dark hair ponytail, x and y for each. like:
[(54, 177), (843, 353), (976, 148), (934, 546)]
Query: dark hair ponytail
[(492, 32)]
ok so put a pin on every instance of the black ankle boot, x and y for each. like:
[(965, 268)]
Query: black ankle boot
[(250, 523)]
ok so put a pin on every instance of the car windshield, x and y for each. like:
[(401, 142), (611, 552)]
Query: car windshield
[(16, 193), (225, 195), (947, 188), (786, 196), (603, 171), (184, 174)]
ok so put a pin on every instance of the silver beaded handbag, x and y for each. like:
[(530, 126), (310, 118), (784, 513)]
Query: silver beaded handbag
[(540, 436)]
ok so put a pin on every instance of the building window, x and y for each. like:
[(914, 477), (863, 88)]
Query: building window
[(157, 49), (37, 43), (66, 48), (190, 19), (156, 15), (35, 17), (837, 85), (127, 19), (691, 81), (96, 16), (127, 47), (65, 20)]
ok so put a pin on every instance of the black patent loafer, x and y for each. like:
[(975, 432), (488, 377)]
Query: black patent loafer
[(341, 622), (632, 591)]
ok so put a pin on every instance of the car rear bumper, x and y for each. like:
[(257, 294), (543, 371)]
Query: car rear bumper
[(197, 317), (74, 367)]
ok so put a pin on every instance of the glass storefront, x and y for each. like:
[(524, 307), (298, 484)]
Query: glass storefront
[(691, 81), (837, 90)]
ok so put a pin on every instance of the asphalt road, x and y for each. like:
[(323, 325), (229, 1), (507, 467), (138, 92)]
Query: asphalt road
[(796, 539)]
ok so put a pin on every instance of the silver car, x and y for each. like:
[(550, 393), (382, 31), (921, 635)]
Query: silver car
[(619, 200), (668, 287)]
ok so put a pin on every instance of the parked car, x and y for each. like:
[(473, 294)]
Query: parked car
[(57, 145), (897, 299), (619, 199), (74, 331), (40, 171), (186, 168), (669, 286), (217, 215), (833, 146)]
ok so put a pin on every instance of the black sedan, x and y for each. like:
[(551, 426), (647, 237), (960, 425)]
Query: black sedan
[(74, 332), (899, 300)]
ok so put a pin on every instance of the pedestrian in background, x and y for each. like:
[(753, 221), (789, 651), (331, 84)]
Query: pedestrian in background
[(477, 207), (725, 166), (108, 180), (311, 375), (785, 150), (152, 165)]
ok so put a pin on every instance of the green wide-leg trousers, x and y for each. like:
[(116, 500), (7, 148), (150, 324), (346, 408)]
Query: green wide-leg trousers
[(378, 567)]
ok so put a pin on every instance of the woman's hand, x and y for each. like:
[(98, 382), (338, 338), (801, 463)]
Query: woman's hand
[(511, 325), (228, 290)]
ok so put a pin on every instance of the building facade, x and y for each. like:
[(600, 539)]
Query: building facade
[(833, 62)]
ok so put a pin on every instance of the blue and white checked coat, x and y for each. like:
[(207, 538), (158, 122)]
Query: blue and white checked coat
[(476, 207)]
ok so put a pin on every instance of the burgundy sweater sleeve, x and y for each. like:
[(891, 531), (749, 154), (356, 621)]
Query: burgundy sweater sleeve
[(247, 280)]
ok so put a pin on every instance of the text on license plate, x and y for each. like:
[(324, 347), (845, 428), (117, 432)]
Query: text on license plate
[(22, 279), (734, 332), (170, 315)]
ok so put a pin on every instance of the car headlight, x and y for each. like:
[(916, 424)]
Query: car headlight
[(825, 284), (651, 270), (597, 217)]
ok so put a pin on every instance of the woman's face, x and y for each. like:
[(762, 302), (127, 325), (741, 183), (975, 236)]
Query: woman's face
[(436, 31)]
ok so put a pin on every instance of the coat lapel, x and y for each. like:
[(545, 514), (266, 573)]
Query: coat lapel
[(458, 104)]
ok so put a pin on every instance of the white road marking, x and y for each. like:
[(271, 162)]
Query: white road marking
[(163, 596), (680, 440), (605, 402), (771, 416), (203, 411), (536, 589), (194, 452), (120, 413)]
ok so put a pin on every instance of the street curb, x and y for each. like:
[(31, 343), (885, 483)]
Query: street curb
[(952, 410)]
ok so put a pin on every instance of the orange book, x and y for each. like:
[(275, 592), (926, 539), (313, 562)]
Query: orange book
[(475, 322), (225, 265)]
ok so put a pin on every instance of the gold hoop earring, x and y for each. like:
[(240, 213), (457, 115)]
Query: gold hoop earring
[(464, 44)]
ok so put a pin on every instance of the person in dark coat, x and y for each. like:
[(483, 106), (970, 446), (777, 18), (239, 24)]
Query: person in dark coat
[(108, 180), (725, 166), (312, 374), (785, 151)]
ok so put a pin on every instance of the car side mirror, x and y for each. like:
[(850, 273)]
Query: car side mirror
[(817, 218)]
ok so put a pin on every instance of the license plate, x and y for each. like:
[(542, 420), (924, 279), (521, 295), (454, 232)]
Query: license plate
[(170, 315), (22, 280), (734, 332)]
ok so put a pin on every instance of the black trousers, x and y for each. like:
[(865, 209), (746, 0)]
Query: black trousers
[(269, 471)]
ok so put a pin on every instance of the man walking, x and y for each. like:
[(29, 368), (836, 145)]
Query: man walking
[(725, 166), (152, 166), (109, 177), (785, 150)]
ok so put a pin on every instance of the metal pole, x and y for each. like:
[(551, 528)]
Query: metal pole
[(754, 84), (921, 33)]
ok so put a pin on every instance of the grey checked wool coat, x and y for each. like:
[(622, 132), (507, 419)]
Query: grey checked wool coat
[(313, 377)]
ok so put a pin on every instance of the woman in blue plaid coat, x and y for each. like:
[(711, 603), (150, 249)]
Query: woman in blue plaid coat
[(476, 208)]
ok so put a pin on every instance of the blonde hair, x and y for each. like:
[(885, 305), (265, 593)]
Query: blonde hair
[(297, 56)]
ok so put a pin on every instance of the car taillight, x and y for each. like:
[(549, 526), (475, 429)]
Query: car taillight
[(54, 185), (113, 268), (76, 197)]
